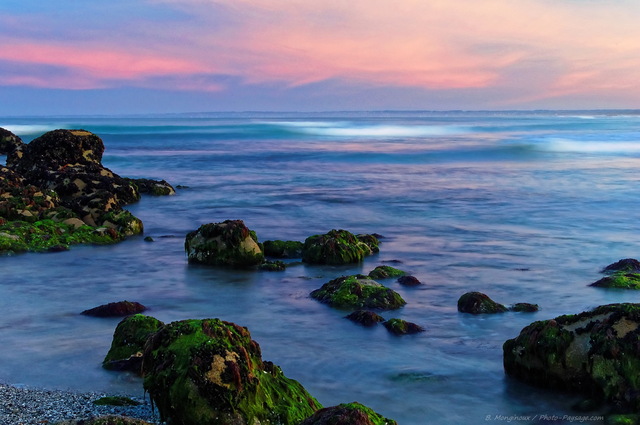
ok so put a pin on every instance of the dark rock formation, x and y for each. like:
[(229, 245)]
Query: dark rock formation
[(479, 303), (211, 372), (402, 327), (128, 343), (628, 265), (524, 307), (273, 266), (359, 292), (283, 249), (365, 318), (116, 309), (595, 353), (229, 243), (153, 187), (347, 414), (9, 142), (620, 280), (338, 247), (384, 272), (409, 281)]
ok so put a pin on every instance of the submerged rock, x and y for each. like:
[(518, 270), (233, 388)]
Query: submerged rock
[(153, 187), (358, 291), (128, 342), (347, 414), (273, 266), (409, 281), (338, 247), (384, 272), (479, 303), (283, 249), (524, 307), (229, 243), (619, 280), (594, 352), (211, 372), (365, 317), (402, 327), (120, 308)]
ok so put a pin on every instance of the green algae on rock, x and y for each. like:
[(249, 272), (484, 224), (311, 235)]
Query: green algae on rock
[(594, 352), (211, 371), (283, 249), (229, 243), (365, 318), (128, 342), (620, 280), (358, 291), (479, 303), (338, 247), (628, 265), (347, 414), (384, 272), (402, 327)]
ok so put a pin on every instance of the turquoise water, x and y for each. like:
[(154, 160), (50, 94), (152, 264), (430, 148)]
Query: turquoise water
[(524, 206)]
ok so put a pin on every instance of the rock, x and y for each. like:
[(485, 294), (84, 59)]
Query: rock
[(409, 281), (525, 307), (628, 265), (229, 243), (619, 280), (338, 247), (365, 318), (211, 372), (120, 308), (153, 187), (358, 291), (347, 414), (479, 303), (128, 342), (383, 272), (283, 249), (22, 201), (402, 327), (9, 142), (273, 266), (594, 352)]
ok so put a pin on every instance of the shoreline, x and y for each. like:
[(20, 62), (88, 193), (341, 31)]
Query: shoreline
[(24, 405)]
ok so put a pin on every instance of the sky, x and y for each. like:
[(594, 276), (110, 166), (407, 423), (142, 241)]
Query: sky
[(173, 56)]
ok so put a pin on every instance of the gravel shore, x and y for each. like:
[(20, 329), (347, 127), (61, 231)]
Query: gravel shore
[(26, 406)]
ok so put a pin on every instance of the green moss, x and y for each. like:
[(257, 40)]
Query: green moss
[(116, 401), (283, 249), (402, 327), (273, 266), (129, 338), (632, 419), (348, 413), (479, 303), (336, 247), (374, 417), (383, 272), (620, 280), (358, 291)]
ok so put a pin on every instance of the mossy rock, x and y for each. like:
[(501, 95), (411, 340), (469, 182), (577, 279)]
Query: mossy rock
[(348, 414), (620, 280), (229, 243), (365, 318), (524, 307), (210, 371), (273, 266), (385, 272), (153, 187), (631, 419), (338, 247), (402, 327), (358, 291), (479, 303), (594, 352), (409, 281), (128, 342), (283, 249), (626, 265)]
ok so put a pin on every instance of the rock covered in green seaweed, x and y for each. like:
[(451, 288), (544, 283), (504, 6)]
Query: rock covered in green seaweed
[(365, 317), (358, 291), (128, 342), (347, 414), (402, 327), (338, 247), (594, 352), (384, 272), (283, 249), (479, 303), (626, 265), (211, 372), (229, 243), (623, 274)]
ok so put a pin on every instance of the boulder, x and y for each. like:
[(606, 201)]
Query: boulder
[(594, 352), (338, 247), (384, 272), (22, 201), (347, 414), (283, 249), (402, 327), (479, 303), (273, 266), (116, 309), (358, 291), (153, 187), (409, 281), (9, 142), (128, 343), (620, 280), (365, 317), (524, 307), (628, 265), (211, 372), (229, 243)]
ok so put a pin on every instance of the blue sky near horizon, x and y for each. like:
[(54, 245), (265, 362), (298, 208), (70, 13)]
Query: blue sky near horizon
[(164, 56)]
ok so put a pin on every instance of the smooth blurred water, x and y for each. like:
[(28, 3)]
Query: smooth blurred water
[(526, 207)]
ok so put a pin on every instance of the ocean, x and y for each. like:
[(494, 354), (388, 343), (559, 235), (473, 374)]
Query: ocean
[(523, 206)]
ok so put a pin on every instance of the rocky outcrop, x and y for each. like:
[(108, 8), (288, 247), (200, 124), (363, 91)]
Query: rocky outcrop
[(9, 142), (229, 243), (338, 247), (359, 292), (594, 352), (115, 309), (365, 318), (479, 303), (128, 342), (153, 187), (385, 272), (210, 371), (347, 414)]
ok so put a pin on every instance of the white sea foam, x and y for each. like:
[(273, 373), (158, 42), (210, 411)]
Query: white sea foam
[(29, 129), (343, 129), (591, 146)]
